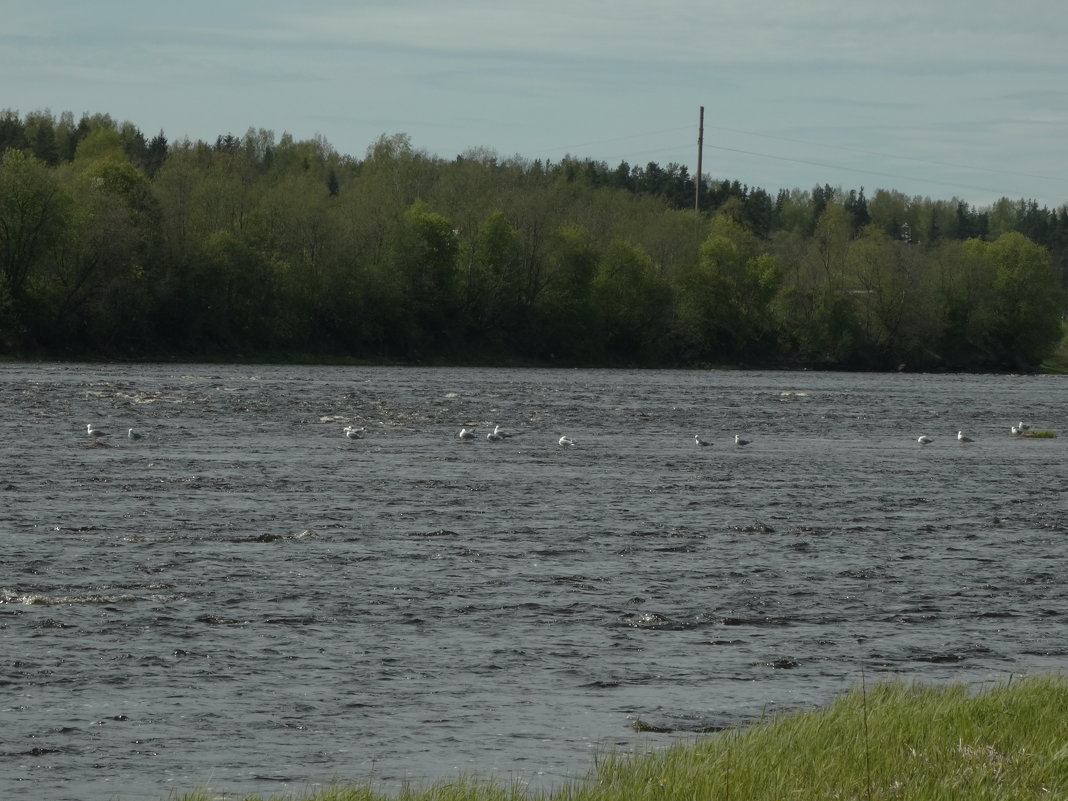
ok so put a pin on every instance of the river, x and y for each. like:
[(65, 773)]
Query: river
[(245, 600)]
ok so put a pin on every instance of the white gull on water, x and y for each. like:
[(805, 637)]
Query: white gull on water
[(95, 432)]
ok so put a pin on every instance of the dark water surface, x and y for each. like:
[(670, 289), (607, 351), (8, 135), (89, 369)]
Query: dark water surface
[(244, 600)]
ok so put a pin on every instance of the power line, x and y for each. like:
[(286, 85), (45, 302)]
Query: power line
[(863, 152), (631, 137), (687, 148), (811, 163), (826, 165)]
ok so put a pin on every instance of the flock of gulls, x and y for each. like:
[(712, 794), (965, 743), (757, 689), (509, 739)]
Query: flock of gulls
[(499, 435), (1017, 431), (99, 433), (704, 443)]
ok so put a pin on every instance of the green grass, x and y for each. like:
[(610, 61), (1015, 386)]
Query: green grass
[(890, 742), (1039, 433)]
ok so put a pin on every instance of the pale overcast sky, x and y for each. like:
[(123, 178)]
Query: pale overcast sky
[(943, 100)]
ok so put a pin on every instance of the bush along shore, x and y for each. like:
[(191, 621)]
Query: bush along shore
[(893, 740)]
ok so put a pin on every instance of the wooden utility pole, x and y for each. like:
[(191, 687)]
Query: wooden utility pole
[(700, 153)]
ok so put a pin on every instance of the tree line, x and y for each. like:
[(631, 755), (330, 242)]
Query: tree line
[(117, 245)]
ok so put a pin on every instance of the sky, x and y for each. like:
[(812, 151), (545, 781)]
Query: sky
[(944, 100)]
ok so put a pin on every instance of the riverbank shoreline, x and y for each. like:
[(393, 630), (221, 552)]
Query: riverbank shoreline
[(908, 742)]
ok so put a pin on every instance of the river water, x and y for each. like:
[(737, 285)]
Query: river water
[(246, 601)]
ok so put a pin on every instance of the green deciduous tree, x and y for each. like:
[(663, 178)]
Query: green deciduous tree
[(816, 311), (725, 301), (296, 225), (493, 280), (424, 260), (232, 299), (965, 279), (564, 326), (1028, 300), (34, 215), (99, 143), (895, 296), (99, 288), (632, 304)]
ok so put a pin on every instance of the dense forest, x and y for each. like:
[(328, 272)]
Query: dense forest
[(114, 245)]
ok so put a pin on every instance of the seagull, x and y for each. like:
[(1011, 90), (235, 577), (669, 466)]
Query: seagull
[(500, 432), (94, 432), (697, 439), (923, 439), (1023, 427), (493, 436), (133, 434), (467, 433), (352, 432), (739, 441), (566, 441), (962, 439), (1016, 431)]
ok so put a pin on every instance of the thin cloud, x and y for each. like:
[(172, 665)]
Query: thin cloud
[(910, 82)]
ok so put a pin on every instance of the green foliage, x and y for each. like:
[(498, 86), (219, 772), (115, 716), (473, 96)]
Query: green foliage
[(725, 303), (968, 295), (631, 304), (563, 323), (495, 298), (97, 289), (10, 325), (1057, 361), (894, 300), (891, 741), (424, 257), (99, 143), (236, 289), (115, 243), (1029, 298), (34, 215)]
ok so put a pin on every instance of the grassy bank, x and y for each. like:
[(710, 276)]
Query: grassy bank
[(889, 741)]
